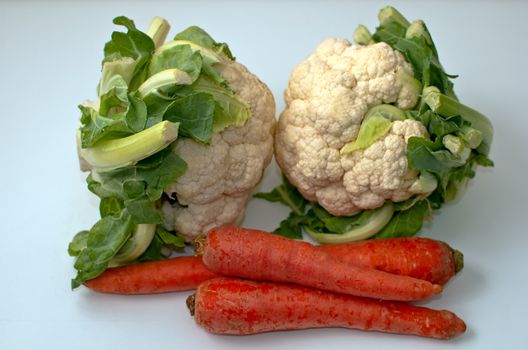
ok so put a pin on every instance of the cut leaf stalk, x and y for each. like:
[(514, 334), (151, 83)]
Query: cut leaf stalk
[(135, 246), (447, 107), (362, 35), (112, 154), (389, 14), (158, 30)]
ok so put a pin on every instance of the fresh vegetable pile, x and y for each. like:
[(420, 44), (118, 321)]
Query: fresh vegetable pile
[(373, 136), (356, 285), (178, 137)]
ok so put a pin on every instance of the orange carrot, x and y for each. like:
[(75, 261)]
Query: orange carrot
[(422, 258), (234, 251), (241, 307), (172, 275)]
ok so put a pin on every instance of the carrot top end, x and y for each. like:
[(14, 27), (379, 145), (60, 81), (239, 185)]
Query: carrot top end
[(190, 303), (458, 257), (199, 245)]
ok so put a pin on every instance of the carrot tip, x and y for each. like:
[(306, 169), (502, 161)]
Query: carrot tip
[(437, 288), (190, 303), (458, 257)]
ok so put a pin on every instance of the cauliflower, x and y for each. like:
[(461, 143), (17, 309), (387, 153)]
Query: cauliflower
[(220, 176), (177, 139), (373, 136), (326, 99)]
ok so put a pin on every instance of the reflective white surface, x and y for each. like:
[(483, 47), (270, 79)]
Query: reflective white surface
[(49, 62)]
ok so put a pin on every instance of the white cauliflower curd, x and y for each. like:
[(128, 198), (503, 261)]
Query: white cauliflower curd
[(326, 100), (220, 176)]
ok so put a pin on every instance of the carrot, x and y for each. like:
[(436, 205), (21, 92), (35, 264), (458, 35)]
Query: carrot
[(422, 258), (172, 275), (253, 254), (242, 307)]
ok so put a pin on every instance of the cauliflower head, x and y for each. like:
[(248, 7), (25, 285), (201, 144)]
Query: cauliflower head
[(373, 137), (220, 176), (177, 138), (327, 98)]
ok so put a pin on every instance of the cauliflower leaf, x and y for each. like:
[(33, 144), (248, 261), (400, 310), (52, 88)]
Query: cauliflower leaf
[(134, 44), (406, 223), (104, 240), (181, 57), (200, 37), (371, 130), (286, 194)]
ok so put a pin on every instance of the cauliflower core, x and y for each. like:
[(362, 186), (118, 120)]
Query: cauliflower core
[(220, 176), (326, 99)]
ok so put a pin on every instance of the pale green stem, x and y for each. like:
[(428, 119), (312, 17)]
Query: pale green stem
[(158, 30), (112, 154), (376, 222)]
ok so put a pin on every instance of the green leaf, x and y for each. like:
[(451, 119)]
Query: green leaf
[(78, 243), (371, 130), (342, 224), (213, 74), (155, 173), (162, 240), (126, 22), (134, 44), (230, 109), (291, 227), (483, 160), (170, 240), (406, 223), (114, 71), (157, 104), (200, 37), (179, 56), (286, 194), (138, 187), (195, 114), (425, 155), (143, 211), (440, 126), (136, 115), (419, 52), (113, 96), (406, 204), (96, 127), (104, 240), (135, 245), (111, 206), (154, 251)]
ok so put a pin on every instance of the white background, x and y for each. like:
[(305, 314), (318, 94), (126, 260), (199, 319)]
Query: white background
[(49, 62)]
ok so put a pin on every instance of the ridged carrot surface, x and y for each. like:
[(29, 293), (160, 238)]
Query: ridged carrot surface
[(242, 307), (422, 258), (252, 254), (171, 275)]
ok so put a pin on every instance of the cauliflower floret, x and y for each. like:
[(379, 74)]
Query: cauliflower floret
[(380, 172), (220, 176), (327, 97)]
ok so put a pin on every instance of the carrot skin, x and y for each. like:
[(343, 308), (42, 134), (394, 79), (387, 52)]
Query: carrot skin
[(242, 307), (421, 258), (171, 275), (252, 254)]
